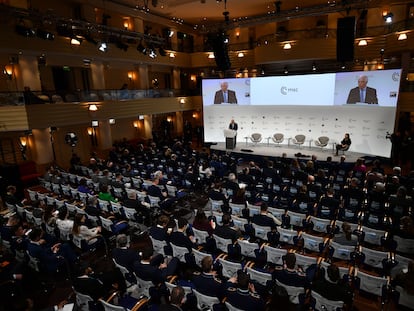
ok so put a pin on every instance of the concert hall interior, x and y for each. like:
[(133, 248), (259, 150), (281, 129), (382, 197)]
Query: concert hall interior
[(137, 133)]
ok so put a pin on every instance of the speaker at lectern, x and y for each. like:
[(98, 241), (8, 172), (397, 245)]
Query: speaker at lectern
[(230, 138)]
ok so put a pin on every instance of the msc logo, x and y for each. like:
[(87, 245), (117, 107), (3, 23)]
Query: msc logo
[(285, 90), (395, 76)]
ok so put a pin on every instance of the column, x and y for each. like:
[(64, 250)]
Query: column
[(30, 72), (98, 75), (41, 143), (147, 133), (143, 75), (176, 81), (104, 135), (179, 123)]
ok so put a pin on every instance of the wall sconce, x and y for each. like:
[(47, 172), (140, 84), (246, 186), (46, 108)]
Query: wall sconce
[(193, 78), (402, 36), (75, 41), (126, 25), (182, 100), (287, 46), (172, 55), (93, 107), (169, 119), (130, 75), (92, 134), (136, 124), (195, 115), (362, 42), (237, 34), (23, 146), (8, 71), (111, 121)]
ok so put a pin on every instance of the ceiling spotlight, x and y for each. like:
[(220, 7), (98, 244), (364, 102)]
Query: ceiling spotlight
[(25, 31), (141, 48), (103, 47), (152, 53), (46, 35), (122, 46), (388, 18), (162, 52)]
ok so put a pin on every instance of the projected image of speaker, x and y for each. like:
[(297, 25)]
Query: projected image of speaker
[(219, 43), (345, 38)]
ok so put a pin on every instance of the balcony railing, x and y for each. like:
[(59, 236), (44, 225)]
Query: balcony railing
[(50, 97)]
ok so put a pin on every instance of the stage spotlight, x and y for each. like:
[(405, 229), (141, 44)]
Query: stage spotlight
[(103, 47), (152, 53), (46, 35), (141, 48), (25, 31), (162, 52), (314, 67), (122, 46), (285, 70), (388, 18)]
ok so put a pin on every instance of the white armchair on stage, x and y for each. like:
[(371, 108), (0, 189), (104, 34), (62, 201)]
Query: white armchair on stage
[(230, 136)]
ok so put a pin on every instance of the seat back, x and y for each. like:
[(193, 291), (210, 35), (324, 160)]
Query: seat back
[(229, 268), (258, 276), (374, 258), (275, 255), (82, 301), (154, 201), (372, 236), (320, 224), (106, 224), (158, 245), (292, 291), (204, 301), (371, 284), (305, 261), (222, 243), (278, 138), (256, 137), (311, 242), (321, 303), (323, 140), (248, 249), (144, 286), (405, 299), (300, 139), (287, 235), (198, 256), (110, 307), (342, 252), (261, 231), (240, 223), (236, 209), (179, 252), (200, 235)]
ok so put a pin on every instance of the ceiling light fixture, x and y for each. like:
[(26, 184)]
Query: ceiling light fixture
[(402, 36), (388, 18), (75, 41), (240, 54), (287, 46)]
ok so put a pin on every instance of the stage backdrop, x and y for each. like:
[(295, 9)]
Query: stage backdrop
[(313, 105)]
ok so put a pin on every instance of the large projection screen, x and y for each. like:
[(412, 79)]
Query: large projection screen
[(313, 105)]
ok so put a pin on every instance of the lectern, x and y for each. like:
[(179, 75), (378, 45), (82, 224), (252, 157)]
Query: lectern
[(230, 138)]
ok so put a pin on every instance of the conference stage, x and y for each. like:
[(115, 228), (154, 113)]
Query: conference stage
[(273, 150)]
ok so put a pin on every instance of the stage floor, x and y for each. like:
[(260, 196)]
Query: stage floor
[(272, 150)]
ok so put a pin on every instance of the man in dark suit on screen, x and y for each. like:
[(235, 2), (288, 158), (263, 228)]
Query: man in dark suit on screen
[(224, 95), (362, 93)]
